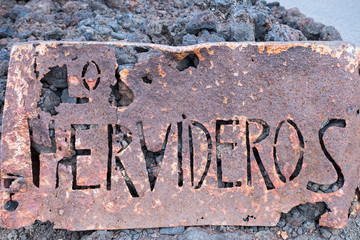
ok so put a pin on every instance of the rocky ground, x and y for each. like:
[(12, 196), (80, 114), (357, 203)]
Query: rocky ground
[(175, 22)]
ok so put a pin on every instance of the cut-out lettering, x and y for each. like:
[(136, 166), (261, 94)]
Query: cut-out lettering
[(264, 134), (118, 141), (153, 159), (180, 170), (91, 75), (72, 161), (209, 148), (340, 176), (39, 145), (219, 146), (299, 163)]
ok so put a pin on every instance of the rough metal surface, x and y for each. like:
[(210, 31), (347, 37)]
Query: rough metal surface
[(213, 134)]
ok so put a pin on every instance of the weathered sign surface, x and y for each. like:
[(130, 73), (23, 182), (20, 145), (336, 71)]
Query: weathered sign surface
[(226, 133)]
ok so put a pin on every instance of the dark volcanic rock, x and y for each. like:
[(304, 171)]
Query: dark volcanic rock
[(41, 6), (240, 32), (280, 32), (309, 28), (329, 33), (291, 16), (172, 231), (54, 34), (18, 11), (305, 212), (205, 20), (6, 32), (48, 101)]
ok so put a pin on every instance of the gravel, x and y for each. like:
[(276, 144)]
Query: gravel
[(176, 22)]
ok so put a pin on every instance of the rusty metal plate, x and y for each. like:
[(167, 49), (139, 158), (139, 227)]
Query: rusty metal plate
[(213, 134)]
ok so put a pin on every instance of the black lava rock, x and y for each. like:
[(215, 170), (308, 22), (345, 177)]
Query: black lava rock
[(205, 20), (6, 32), (329, 33)]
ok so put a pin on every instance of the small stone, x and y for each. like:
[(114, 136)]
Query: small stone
[(150, 231), (54, 34), (4, 55), (65, 97), (114, 25), (334, 188), (40, 6), (194, 233), (315, 187), (223, 3), (48, 101), (291, 16), (118, 35), (24, 35), (281, 223), (237, 234), (99, 235), (335, 238), (189, 39), (329, 33), (324, 188), (172, 230), (125, 55), (240, 32), (97, 6), (284, 235), (206, 36), (308, 225), (265, 235), (272, 4), (6, 32), (104, 30), (4, 65), (280, 32), (325, 233), (205, 20), (18, 11), (71, 7), (89, 36), (312, 30)]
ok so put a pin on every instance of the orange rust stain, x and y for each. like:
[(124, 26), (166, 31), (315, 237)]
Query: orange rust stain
[(275, 49), (181, 55), (198, 54), (211, 52), (73, 80), (261, 49), (211, 64), (124, 74), (161, 72), (225, 100)]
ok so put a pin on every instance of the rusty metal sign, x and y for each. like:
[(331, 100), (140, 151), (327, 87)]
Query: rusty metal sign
[(212, 134)]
